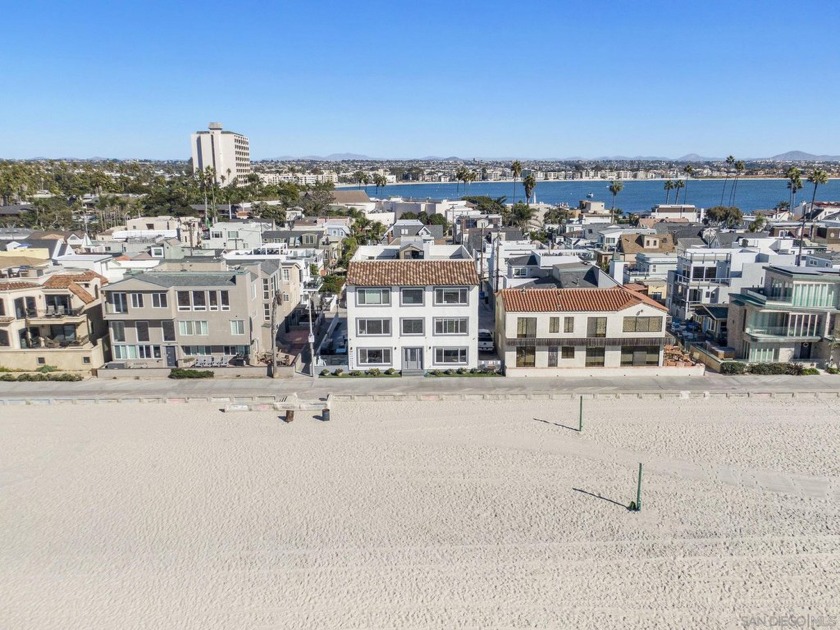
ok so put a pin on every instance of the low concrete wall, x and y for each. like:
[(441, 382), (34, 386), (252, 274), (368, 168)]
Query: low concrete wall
[(219, 373), (696, 370)]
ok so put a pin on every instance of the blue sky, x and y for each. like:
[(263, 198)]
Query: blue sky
[(398, 79)]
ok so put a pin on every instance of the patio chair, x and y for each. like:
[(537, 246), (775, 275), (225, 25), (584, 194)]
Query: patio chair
[(59, 310), (50, 311)]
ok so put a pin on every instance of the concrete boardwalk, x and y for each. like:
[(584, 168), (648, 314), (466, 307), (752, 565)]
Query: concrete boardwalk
[(419, 387)]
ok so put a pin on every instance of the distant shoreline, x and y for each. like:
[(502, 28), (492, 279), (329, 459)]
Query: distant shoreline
[(561, 181)]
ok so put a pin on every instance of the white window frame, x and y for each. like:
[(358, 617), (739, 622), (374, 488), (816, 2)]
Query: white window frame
[(224, 300), (183, 307), (422, 296), (360, 293), (442, 321), (362, 325), (160, 300), (118, 331), (237, 327), (422, 321), (386, 356), (136, 300), (463, 296), (441, 351)]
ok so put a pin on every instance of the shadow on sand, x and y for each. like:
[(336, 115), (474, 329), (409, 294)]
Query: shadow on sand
[(557, 424), (598, 496)]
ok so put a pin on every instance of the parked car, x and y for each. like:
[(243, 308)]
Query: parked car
[(485, 341)]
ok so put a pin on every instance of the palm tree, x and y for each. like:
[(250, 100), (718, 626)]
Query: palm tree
[(677, 185), (516, 169), (817, 177), (794, 177), (615, 188), (530, 183), (689, 171), (739, 168), (669, 186), (729, 162)]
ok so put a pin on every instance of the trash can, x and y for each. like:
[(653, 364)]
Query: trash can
[(325, 414), (290, 415)]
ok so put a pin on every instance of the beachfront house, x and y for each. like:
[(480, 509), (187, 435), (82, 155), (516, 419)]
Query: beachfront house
[(412, 307), (169, 319), (51, 317), (544, 332), (792, 317)]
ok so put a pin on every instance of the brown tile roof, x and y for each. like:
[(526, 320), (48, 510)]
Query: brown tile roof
[(14, 286), (418, 273), (569, 300), (80, 293), (350, 196), (64, 280)]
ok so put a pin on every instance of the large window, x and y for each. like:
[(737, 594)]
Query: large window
[(451, 296), (526, 356), (168, 327), (642, 324), (213, 301), (136, 300), (374, 356), (451, 356), (412, 326), (237, 327), (224, 300), (199, 299), (596, 327), (411, 296), (183, 300), (640, 355), (553, 325), (373, 297), (451, 326), (117, 331), (526, 327), (190, 327), (118, 303), (373, 327), (594, 357), (567, 352), (142, 331), (569, 324), (159, 300)]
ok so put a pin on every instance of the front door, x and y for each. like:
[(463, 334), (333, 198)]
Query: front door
[(170, 356), (412, 358), (804, 351)]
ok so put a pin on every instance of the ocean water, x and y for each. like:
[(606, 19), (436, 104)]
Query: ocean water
[(637, 196)]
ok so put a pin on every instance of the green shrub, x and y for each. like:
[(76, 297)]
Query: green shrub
[(733, 367), (449, 372), (326, 372), (775, 368), (187, 373), (832, 370), (434, 372), (8, 377), (390, 371), (338, 372), (374, 371), (461, 370), (46, 369), (810, 371), (355, 373)]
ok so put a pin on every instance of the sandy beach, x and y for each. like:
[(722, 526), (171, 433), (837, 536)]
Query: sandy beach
[(421, 515)]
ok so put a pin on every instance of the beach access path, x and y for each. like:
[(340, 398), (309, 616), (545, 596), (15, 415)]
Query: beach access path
[(694, 386)]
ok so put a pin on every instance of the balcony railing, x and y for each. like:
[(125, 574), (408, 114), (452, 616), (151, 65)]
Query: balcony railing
[(41, 343), (50, 313), (782, 331), (684, 279)]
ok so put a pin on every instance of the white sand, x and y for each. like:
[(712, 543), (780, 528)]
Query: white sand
[(441, 515)]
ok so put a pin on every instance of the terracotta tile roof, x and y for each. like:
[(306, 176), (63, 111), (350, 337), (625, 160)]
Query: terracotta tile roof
[(418, 273), (570, 300), (14, 286), (80, 293), (64, 280)]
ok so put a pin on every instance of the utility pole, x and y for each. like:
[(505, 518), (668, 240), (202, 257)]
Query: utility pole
[(274, 334), (311, 342)]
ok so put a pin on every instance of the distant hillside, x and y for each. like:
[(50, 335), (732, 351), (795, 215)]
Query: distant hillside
[(801, 156)]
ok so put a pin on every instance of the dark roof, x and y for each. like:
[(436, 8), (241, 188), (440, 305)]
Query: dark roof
[(185, 278), (715, 312), (472, 236), (350, 196), (527, 259)]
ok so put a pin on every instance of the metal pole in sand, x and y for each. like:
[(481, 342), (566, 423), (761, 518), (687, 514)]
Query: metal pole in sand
[(580, 424), (639, 490)]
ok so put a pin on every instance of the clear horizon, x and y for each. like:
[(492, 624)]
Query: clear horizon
[(132, 81)]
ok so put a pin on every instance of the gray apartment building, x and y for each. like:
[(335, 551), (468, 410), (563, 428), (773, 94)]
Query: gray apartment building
[(169, 319)]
